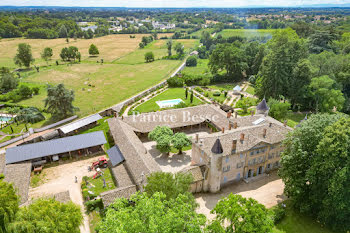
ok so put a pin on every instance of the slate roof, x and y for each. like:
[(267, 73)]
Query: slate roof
[(195, 171), (123, 192), (115, 155), (53, 147), (217, 147), (262, 106), (121, 175), (237, 88), (80, 123)]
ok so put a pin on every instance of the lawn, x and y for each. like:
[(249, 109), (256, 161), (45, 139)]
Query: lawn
[(96, 185), (250, 90), (295, 222), (294, 118), (171, 93), (201, 68), (223, 86), (98, 86), (248, 33)]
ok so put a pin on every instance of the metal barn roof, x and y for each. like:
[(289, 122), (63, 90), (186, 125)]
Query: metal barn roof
[(53, 147), (80, 123), (115, 155)]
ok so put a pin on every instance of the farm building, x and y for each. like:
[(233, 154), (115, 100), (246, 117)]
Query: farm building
[(76, 126), (52, 150)]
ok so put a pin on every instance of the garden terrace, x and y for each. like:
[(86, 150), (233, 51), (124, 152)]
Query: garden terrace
[(79, 144)]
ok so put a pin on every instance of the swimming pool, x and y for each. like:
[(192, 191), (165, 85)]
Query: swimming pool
[(168, 103), (5, 119)]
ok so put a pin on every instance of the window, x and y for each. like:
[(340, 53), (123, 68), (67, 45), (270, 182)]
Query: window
[(226, 169), (200, 160), (251, 153), (202, 152), (225, 179), (268, 166), (241, 155), (227, 159), (271, 155), (239, 165), (272, 147), (262, 150), (254, 161)]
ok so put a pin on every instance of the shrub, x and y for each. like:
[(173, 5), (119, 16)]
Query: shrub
[(2, 176), (198, 89), (191, 61), (36, 90), (141, 45), (181, 105), (94, 205), (217, 93), (200, 80), (175, 82), (279, 212)]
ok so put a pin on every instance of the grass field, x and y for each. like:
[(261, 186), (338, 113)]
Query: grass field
[(250, 90), (100, 86), (96, 185), (171, 93), (201, 68), (295, 222), (248, 33)]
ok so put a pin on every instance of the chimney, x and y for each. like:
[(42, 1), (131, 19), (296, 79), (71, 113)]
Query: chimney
[(229, 114), (252, 112), (242, 137), (235, 125), (264, 133), (223, 129), (236, 113), (197, 137), (115, 115), (285, 123), (270, 125), (229, 126), (234, 146)]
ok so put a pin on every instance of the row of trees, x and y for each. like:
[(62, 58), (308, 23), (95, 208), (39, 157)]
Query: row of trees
[(167, 206)]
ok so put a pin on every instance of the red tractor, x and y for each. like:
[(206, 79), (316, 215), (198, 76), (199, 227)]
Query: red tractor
[(101, 163)]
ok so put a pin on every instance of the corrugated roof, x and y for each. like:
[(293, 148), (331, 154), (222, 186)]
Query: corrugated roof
[(53, 147), (115, 155), (80, 123)]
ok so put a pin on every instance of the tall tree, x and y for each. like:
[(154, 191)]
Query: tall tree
[(9, 202), (179, 48), (63, 32), (47, 54), (242, 215), (169, 45), (142, 213), (286, 49), (162, 135), (322, 41), (325, 94), (149, 56), (30, 115), (180, 140), (229, 58), (24, 55), (48, 215), (8, 82), (315, 169), (93, 50), (59, 101)]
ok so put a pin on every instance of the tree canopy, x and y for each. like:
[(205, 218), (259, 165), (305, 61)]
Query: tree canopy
[(47, 54), (149, 57), (24, 55), (59, 101), (93, 50), (8, 205), (315, 169)]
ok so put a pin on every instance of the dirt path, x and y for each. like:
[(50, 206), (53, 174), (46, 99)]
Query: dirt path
[(267, 190), (62, 178)]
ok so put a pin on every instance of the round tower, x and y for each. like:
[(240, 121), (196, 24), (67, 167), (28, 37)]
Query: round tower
[(215, 167), (262, 108)]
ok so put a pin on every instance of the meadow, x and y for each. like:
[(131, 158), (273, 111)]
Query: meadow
[(98, 86), (247, 33)]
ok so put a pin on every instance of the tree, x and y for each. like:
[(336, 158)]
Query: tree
[(59, 101), (64, 54), (242, 215), (202, 52), (321, 41), (144, 213), (325, 94), (9, 202), (93, 50), (179, 141), (286, 50), (162, 135), (169, 184), (24, 55), (25, 91), (251, 50), (278, 109), (47, 54), (244, 103), (191, 61), (169, 45), (30, 115), (48, 215), (315, 169), (191, 97), (186, 93), (230, 58), (179, 48), (149, 56), (63, 32), (8, 82)]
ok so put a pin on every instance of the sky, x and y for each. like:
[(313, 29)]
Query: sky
[(169, 3)]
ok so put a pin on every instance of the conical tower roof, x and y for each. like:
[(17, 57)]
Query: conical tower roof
[(262, 106), (217, 147)]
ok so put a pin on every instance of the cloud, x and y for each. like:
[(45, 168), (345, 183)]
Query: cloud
[(168, 3)]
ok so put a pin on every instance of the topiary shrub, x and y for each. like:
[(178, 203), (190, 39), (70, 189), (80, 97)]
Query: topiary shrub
[(191, 61), (217, 93)]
